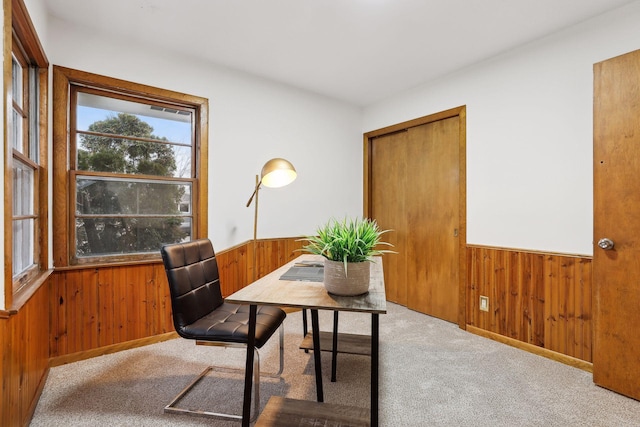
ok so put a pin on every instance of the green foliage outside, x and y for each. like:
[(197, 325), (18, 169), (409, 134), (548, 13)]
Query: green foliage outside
[(120, 233)]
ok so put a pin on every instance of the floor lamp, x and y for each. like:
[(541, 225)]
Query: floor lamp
[(275, 173)]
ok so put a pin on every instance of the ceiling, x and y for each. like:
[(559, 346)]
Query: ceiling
[(358, 51)]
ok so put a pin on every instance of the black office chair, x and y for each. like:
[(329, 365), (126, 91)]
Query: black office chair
[(200, 313)]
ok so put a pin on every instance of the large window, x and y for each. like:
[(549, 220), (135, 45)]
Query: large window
[(26, 198), (135, 168)]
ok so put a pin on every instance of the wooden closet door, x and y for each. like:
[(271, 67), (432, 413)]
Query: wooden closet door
[(390, 183), (415, 191), (616, 271)]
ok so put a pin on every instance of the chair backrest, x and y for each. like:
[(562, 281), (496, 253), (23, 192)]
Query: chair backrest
[(194, 282)]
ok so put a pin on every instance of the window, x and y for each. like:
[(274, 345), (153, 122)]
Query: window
[(135, 168), (25, 201)]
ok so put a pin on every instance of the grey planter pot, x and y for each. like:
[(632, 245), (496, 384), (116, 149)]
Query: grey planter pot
[(354, 282)]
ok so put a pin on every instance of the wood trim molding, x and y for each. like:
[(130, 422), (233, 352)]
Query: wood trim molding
[(399, 127), (7, 173), (131, 88), (114, 348), (462, 215), (529, 251), (549, 354), (5, 314), (26, 32), (22, 297), (60, 164)]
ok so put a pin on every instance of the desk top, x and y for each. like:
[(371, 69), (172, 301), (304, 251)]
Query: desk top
[(270, 290)]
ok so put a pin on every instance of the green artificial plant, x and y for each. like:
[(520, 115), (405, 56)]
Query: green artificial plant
[(349, 240)]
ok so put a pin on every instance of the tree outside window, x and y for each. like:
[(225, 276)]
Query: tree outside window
[(126, 207), (131, 160)]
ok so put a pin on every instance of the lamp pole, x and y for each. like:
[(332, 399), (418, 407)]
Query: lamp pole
[(275, 173), (255, 230)]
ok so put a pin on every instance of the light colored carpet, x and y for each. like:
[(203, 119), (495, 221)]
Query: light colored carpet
[(431, 374)]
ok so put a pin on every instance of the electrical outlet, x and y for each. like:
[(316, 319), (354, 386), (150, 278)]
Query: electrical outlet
[(484, 303)]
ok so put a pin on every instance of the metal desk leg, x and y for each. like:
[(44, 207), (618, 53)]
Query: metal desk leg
[(305, 328), (334, 349), (315, 328), (248, 373), (375, 360)]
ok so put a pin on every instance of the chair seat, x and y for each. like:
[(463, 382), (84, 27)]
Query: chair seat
[(230, 323)]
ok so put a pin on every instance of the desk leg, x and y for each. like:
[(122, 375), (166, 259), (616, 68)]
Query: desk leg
[(305, 328), (248, 373), (315, 328), (334, 348), (375, 360)]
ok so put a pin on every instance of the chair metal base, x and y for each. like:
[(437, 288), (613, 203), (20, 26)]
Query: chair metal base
[(172, 409)]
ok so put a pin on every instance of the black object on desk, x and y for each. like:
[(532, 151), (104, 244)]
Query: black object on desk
[(306, 272)]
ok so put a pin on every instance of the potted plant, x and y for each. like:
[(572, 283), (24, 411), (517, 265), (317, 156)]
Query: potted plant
[(347, 247)]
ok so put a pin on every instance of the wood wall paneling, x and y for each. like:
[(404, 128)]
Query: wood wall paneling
[(24, 338), (274, 253), (233, 268), (534, 298), (98, 307), (539, 299)]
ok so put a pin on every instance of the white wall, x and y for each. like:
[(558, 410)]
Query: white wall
[(529, 134), (251, 121)]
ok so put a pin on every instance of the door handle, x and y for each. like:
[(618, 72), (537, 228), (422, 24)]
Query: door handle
[(606, 244)]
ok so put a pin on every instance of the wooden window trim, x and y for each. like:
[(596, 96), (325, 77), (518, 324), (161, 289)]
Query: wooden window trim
[(63, 79), (18, 24), (24, 29)]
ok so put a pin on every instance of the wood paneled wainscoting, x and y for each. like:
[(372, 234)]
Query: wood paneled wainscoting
[(540, 300), (24, 358), (102, 309), (101, 306)]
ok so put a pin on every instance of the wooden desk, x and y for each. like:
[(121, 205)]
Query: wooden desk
[(270, 290)]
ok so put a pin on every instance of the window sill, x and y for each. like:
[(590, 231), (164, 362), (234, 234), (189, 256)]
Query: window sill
[(21, 297), (155, 260)]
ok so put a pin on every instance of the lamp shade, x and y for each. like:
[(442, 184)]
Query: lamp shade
[(277, 173)]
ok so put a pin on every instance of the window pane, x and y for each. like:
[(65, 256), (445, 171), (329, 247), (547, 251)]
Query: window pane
[(16, 134), (111, 196), (120, 155), (33, 116), (23, 189), (115, 116), (23, 235), (17, 84), (125, 235), (118, 216), (29, 80)]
